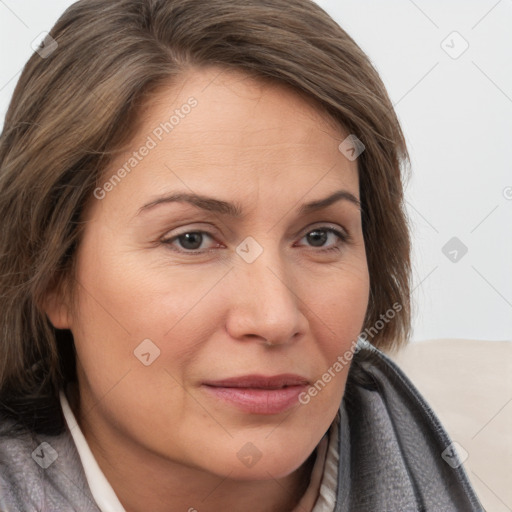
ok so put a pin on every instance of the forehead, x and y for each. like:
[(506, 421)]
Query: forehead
[(234, 96), (225, 131)]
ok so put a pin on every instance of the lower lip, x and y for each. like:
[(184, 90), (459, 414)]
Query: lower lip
[(259, 401)]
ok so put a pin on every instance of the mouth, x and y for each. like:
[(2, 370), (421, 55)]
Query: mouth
[(257, 394)]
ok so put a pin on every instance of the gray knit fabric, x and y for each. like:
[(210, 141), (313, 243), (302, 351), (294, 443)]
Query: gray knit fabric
[(26, 486), (390, 445)]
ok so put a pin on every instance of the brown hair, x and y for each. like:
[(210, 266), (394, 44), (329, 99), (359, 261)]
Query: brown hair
[(74, 108)]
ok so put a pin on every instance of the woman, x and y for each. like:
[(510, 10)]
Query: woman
[(204, 250)]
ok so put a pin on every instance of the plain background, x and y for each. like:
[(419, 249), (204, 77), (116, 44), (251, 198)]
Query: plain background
[(455, 106)]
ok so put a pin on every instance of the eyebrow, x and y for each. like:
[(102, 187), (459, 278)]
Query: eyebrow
[(235, 210)]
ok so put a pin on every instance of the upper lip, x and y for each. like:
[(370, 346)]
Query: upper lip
[(259, 381)]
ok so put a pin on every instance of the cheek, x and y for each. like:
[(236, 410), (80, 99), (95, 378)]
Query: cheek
[(124, 302), (340, 306)]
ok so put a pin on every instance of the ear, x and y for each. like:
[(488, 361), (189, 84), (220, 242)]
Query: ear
[(56, 308)]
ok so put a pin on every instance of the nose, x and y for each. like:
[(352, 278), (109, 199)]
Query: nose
[(264, 305)]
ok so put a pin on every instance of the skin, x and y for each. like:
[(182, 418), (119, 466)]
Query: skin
[(161, 440)]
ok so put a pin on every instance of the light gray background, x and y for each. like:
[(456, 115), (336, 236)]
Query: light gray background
[(457, 117)]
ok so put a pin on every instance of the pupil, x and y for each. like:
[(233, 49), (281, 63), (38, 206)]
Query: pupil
[(317, 236), (191, 239)]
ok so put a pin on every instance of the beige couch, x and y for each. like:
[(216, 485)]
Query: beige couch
[(468, 383)]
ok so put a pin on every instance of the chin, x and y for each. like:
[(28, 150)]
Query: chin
[(247, 462)]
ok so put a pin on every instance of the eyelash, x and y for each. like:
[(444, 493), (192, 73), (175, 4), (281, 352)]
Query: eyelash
[(343, 237)]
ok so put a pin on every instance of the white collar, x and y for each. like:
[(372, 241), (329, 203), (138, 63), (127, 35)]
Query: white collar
[(329, 486), (101, 490)]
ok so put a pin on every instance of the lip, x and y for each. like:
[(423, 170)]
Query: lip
[(258, 394)]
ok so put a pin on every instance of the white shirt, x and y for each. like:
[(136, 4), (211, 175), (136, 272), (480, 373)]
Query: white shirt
[(101, 490), (106, 498)]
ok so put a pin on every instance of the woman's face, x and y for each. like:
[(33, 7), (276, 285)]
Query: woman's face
[(201, 323)]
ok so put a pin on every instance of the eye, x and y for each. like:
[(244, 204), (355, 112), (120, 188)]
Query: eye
[(189, 242), (319, 236)]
